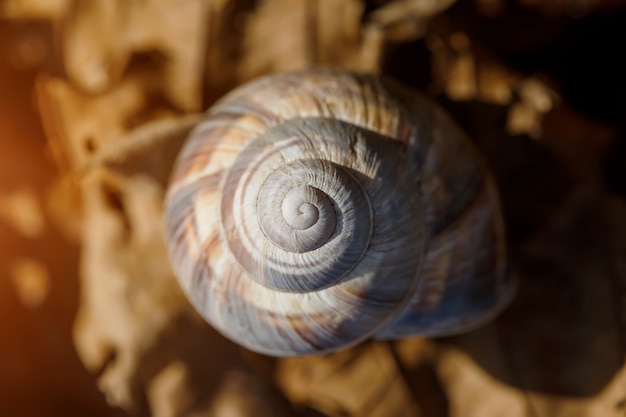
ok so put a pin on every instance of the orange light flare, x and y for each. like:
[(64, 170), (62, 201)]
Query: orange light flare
[(40, 374)]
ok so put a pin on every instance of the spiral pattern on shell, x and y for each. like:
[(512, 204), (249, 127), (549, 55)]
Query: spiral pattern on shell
[(312, 210)]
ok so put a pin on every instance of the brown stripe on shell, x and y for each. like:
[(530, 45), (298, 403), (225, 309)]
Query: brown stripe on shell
[(271, 331), (185, 244), (206, 147), (331, 94)]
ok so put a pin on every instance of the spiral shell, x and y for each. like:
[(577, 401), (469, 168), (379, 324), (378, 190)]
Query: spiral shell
[(312, 210)]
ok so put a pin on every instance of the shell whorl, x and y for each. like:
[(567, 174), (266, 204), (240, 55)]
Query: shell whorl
[(299, 217), (308, 211)]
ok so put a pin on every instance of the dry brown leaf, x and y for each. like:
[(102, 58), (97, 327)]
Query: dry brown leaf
[(266, 49), (34, 9), (21, 210), (169, 392), (31, 281), (407, 20), (454, 65), (473, 392), (364, 381), (151, 148), (462, 77), (342, 40), (226, 25), (494, 84), (64, 206), (559, 348), (323, 32), (79, 125), (244, 395), (131, 306), (100, 37), (526, 114)]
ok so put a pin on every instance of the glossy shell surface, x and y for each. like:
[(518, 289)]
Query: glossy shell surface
[(312, 210)]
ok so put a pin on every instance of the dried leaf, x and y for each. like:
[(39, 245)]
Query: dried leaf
[(101, 37), (364, 381), (31, 281), (321, 32), (342, 40), (131, 305), (79, 125), (266, 48), (406, 20), (559, 348), (526, 115), (243, 395), (34, 9), (21, 210)]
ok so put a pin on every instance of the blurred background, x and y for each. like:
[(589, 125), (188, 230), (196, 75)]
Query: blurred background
[(540, 85), (40, 373)]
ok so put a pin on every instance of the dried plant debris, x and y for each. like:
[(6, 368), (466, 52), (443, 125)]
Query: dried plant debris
[(322, 32), (463, 76), (244, 395), (31, 281), (132, 309), (365, 381), (21, 209), (407, 20), (79, 125), (34, 9), (101, 38), (135, 75)]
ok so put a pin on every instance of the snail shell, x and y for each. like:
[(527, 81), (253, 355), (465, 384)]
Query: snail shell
[(312, 210)]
